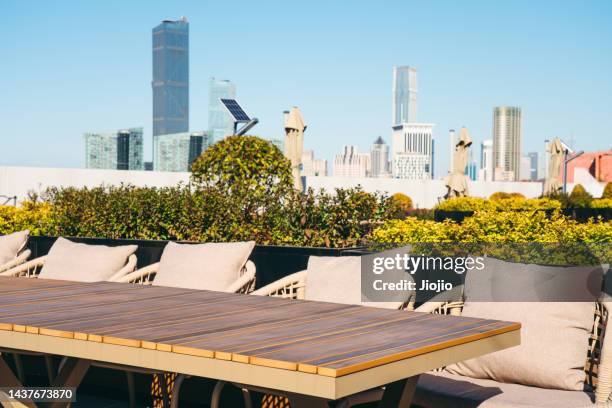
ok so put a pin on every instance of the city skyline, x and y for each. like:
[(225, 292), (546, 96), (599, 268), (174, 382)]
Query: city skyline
[(459, 72)]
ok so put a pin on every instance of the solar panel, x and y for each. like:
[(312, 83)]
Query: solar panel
[(235, 110)]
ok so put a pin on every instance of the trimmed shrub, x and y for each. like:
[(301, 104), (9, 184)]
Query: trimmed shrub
[(500, 204), (607, 193), (602, 203), (501, 195), (580, 198), (32, 215), (399, 205)]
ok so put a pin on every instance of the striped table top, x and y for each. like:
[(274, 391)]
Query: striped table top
[(326, 339)]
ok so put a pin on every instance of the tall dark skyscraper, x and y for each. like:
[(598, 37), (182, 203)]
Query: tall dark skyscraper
[(171, 77)]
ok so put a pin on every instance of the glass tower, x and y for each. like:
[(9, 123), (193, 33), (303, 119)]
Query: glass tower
[(171, 77), (176, 152), (117, 150), (220, 123), (404, 95), (507, 140)]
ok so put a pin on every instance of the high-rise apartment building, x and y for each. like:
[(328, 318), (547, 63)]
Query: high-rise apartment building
[(171, 77), (311, 166), (220, 123), (176, 152), (351, 163), (507, 141), (412, 151), (404, 102), (118, 150), (486, 160), (379, 158), (525, 169)]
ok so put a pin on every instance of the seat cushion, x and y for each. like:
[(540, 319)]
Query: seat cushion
[(338, 280), (11, 245), (444, 390), (74, 261), (211, 266)]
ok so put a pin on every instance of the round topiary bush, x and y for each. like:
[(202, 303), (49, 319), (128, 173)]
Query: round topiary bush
[(579, 197), (399, 205), (244, 166)]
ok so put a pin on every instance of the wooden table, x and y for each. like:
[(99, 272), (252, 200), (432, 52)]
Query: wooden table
[(310, 351)]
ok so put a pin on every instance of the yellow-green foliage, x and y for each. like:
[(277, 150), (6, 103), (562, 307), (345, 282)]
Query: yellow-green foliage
[(602, 203), (35, 217), (495, 226), (499, 204), (607, 193)]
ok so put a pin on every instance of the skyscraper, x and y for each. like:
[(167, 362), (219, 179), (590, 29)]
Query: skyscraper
[(534, 166), (379, 158), (486, 160), (171, 77), (507, 140), (412, 151), (176, 152), (351, 163), (117, 150), (312, 167), (220, 123), (404, 95)]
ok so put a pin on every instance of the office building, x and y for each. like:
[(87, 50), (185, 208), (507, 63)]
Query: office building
[(220, 123), (176, 152), (118, 150), (534, 166), (525, 169), (351, 163), (412, 151), (312, 166), (280, 143), (404, 103), (486, 160), (171, 77), (507, 141), (379, 158), (471, 170)]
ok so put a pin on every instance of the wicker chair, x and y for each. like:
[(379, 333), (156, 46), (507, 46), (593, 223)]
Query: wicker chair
[(18, 260), (31, 269)]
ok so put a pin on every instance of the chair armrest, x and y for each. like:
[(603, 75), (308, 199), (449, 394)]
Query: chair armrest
[(19, 259), (29, 269), (127, 268), (289, 287), (246, 283), (143, 276), (451, 308)]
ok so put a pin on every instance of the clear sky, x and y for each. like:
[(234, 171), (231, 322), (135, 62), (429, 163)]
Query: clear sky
[(68, 67)]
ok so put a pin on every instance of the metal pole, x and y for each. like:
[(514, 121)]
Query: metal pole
[(565, 172)]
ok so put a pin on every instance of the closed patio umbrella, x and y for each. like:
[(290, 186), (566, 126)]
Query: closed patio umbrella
[(553, 183), (456, 182), (294, 143)]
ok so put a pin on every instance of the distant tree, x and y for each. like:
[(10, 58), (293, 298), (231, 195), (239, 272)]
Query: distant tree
[(580, 197)]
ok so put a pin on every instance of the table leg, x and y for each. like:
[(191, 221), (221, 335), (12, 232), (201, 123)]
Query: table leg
[(399, 394), (72, 373), (8, 379)]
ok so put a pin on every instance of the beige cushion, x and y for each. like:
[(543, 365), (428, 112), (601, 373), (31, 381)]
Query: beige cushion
[(338, 280), (553, 350), (554, 335), (74, 261), (211, 266), (11, 245), (444, 390)]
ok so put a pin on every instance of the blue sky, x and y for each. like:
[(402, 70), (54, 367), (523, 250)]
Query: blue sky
[(69, 67)]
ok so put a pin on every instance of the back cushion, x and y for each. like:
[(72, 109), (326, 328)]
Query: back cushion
[(554, 334), (11, 245), (74, 261), (211, 266), (338, 280)]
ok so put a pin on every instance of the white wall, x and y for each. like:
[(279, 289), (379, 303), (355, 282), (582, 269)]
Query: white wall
[(424, 193), (18, 181)]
